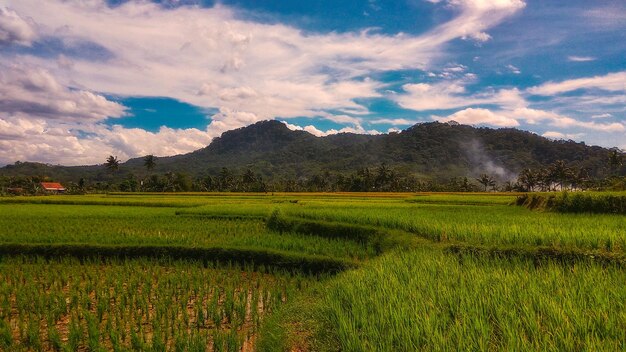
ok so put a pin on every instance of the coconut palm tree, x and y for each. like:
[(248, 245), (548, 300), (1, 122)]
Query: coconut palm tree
[(149, 161), (561, 173), (486, 181), (528, 179), (112, 163)]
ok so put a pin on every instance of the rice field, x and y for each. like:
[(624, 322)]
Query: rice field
[(495, 225), (307, 272), (432, 301), (124, 225), (139, 304)]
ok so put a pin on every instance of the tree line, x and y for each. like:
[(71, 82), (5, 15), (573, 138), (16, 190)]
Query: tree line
[(382, 178)]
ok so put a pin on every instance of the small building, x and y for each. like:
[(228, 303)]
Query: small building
[(53, 187)]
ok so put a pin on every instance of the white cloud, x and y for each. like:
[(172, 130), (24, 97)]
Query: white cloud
[(395, 122), (601, 116), (39, 140), (455, 68), (534, 116), (513, 69), (208, 57), (614, 82), (319, 133), (452, 94), (472, 116), (559, 135), (513, 117), (15, 29), (34, 92), (476, 16), (581, 58)]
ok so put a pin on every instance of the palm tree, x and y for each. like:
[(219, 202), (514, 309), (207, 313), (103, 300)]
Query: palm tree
[(561, 173), (528, 179), (149, 161), (112, 163), (486, 181)]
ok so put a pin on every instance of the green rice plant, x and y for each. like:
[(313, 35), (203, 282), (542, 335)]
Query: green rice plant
[(6, 339), (492, 225), (54, 338), (147, 304), (75, 335), (427, 300), (108, 200), (135, 226), (203, 272)]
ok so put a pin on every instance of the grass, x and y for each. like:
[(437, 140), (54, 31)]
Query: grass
[(433, 301), (576, 202), (124, 226), (417, 272), (481, 225), (109, 200)]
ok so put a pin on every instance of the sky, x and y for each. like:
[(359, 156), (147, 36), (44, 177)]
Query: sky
[(81, 80)]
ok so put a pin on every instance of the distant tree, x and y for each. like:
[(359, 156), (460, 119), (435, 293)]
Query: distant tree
[(561, 173), (130, 184), (206, 184), (182, 182), (528, 179), (112, 163), (486, 181), (248, 180), (545, 180), (581, 178), (154, 184), (225, 180), (149, 161), (383, 177), (318, 183), (616, 160), (510, 186), (81, 184), (169, 182)]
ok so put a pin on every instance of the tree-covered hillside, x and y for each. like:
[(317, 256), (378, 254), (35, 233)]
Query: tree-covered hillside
[(428, 151)]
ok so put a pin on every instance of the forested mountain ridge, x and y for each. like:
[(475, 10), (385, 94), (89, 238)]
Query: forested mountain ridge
[(436, 151)]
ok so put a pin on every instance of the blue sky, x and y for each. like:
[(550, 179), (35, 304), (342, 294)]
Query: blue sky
[(82, 80)]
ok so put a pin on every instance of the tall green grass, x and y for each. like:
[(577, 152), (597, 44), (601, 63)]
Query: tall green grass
[(576, 202), (428, 301)]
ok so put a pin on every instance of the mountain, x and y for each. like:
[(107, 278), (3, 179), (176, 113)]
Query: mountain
[(429, 150)]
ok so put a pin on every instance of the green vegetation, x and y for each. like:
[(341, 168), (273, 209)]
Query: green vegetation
[(268, 157), (146, 226), (309, 272), (136, 304), (593, 202), (432, 301), (493, 225)]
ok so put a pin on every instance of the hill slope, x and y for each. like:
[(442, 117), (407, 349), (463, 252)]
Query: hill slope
[(433, 150)]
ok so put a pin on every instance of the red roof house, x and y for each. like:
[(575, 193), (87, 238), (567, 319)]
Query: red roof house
[(53, 187)]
